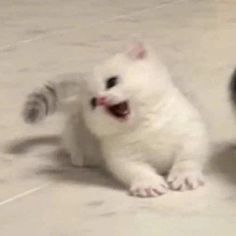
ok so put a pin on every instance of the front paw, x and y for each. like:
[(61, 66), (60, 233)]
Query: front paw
[(147, 188), (183, 180)]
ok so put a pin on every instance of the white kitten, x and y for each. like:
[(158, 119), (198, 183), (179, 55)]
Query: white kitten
[(129, 115)]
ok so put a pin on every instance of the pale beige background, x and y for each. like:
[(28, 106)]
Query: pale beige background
[(40, 193)]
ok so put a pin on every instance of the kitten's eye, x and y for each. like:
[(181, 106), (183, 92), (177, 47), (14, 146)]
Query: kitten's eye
[(93, 102), (111, 82)]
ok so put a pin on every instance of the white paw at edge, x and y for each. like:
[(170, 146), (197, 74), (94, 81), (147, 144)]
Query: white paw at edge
[(185, 180)]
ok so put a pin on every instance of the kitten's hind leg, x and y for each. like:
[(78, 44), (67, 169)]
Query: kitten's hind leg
[(77, 157), (72, 144), (81, 144)]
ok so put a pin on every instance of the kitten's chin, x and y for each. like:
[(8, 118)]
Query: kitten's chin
[(103, 132), (109, 126)]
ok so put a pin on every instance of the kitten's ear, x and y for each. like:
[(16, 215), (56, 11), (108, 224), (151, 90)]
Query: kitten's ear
[(137, 51)]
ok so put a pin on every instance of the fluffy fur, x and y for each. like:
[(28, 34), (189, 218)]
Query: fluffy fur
[(158, 132)]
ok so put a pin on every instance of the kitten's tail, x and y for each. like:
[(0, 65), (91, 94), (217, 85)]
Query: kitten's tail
[(48, 99), (232, 88)]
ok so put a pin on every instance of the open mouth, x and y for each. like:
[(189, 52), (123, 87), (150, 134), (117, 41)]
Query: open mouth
[(120, 110)]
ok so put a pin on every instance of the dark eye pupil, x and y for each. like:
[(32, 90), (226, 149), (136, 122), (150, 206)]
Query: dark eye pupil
[(111, 82), (93, 102)]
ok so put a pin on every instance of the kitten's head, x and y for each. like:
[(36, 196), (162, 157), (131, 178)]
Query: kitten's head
[(121, 91)]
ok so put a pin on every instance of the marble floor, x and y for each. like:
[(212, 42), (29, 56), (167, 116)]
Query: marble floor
[(41, 194)]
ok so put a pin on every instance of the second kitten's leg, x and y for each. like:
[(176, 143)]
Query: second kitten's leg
[(141, 178)]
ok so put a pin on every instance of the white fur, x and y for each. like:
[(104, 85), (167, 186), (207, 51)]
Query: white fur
[(164, 133)]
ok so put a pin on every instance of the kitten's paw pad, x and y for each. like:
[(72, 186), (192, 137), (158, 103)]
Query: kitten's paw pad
[(149, 189), (183, 181)]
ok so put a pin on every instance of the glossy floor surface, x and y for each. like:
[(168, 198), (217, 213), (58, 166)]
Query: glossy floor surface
[(41, 194)]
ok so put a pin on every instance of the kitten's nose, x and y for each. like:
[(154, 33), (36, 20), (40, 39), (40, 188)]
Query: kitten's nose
[(101, 101)]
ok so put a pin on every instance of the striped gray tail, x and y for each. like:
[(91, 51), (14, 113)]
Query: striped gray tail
[(232, 88), (47, 99)]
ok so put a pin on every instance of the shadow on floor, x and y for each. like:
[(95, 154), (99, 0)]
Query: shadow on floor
[(21, 146), (223, 162), (60, 167)]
